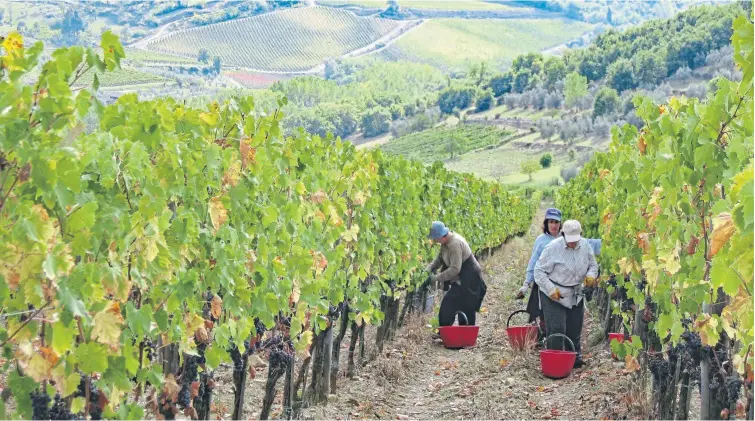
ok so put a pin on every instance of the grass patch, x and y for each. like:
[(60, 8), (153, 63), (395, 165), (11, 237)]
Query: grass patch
[(460, 5), (441, 143), (122, 77), (460, 42)]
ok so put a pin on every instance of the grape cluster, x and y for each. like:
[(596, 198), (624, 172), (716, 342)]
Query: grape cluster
[(641, 284), (40, 402), (95, 412), (189, 375), (279, 359), (659, 367), (59, 410), (692, 340), (627, 305), (733, 387), (149, 348), (259, 327)]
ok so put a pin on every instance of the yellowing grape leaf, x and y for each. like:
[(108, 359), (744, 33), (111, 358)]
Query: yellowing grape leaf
[(232, 175), (350, 234), (641, 145), (304, 342), (107, 329), (723, 229), (295, 294), (216, 306), (37, 367), (362, 318), (218, 213), (652, 271), (170, 387), (631, 364), (643, 241), (707, 327), (318, 197), (628, 265), (670, 260)]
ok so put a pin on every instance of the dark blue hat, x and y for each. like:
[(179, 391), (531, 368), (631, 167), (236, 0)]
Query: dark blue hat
[(553, 213)]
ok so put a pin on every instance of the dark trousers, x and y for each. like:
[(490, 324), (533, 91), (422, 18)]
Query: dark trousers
[(456, 300), (567, 321)]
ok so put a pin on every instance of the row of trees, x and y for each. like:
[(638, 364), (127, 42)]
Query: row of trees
[(644, 55)]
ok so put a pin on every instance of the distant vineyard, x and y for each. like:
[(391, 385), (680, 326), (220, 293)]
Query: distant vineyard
[(150, 57), (453, 5), (289, 40), (443, 142), (122, 77), (460, 42)]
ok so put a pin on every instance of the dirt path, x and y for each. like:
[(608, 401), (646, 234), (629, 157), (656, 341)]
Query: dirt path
[(417, 378)]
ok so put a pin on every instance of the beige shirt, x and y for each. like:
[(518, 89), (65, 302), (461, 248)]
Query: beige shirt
[(452, 255)]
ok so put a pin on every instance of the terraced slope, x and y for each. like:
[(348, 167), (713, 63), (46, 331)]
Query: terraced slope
[(290, 40)]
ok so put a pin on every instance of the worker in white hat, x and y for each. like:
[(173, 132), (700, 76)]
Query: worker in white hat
[(565, 266)]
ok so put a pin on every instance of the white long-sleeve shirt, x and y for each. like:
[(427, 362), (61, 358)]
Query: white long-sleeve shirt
[(567, 267)]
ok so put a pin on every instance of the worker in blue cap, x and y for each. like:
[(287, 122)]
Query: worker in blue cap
[(460, 276)]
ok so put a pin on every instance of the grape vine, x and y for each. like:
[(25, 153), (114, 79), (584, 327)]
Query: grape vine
[(188, 229)]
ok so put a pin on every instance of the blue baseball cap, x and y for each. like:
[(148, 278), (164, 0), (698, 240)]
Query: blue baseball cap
[(553, 213), (438, 230)]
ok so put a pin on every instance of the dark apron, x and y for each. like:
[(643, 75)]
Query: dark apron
[(533, 304), (470, 277)]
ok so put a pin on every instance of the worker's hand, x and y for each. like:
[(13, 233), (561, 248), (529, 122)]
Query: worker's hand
[(555, 295), (591, 282), (522, 291)]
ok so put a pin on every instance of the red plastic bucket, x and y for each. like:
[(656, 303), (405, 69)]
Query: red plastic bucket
[(557, 364), (619, 337), (455, 337), (521, 337)]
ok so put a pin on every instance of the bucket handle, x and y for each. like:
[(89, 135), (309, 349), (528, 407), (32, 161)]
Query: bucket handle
[(466, 321), (560, 334), (512, 315)]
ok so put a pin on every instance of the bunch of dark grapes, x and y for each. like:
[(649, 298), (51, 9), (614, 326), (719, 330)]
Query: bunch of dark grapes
[(95, 412), (278, 360), (59, 410), (641, 284), (647, 314), (40, 402), (189, 375), (259, 327), (627, 305), (149, 348), (612, 281), (660, 369), (733, 387), (694, 344)]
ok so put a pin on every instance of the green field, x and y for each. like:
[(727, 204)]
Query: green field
[(440, 143), (453, 5), (122, 77), (376, 4), (497, 162), (288, 40), (457, 43), (151, 57)]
